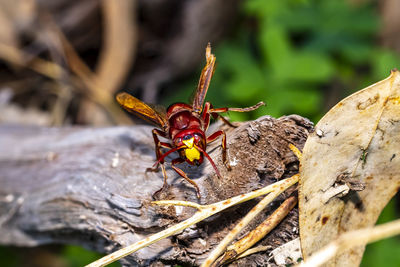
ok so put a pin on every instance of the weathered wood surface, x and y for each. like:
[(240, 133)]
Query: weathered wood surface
[(87, 186)]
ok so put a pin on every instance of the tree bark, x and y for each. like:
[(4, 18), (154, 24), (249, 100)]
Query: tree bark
[(89, 186)]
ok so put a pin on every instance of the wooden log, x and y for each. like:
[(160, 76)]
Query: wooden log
[(89, 186)]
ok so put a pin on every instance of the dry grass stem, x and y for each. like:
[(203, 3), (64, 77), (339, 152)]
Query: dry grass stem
[(352, 239), (246, 220), (296, 151), (18, 57), (204, 211), (252, 251), (239, 247)]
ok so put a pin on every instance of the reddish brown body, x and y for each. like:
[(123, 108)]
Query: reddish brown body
[(185, 125)]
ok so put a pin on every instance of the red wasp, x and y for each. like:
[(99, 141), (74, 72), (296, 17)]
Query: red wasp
[(185, 125)]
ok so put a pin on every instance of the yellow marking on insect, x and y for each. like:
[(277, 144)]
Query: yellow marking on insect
[(191, 152)]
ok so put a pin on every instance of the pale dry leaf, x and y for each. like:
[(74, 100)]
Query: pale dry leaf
[(350, 168), (288, 253)]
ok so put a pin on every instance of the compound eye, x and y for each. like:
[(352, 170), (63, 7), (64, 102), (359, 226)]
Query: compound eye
[(197, 138), (178, 141), (187, 137)]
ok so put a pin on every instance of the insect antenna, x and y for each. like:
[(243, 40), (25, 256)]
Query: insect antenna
[(161, 159), (210, 160)]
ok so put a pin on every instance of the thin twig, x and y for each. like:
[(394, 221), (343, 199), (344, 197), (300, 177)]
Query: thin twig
[(16, 56), (296, 151), (204, 211), (119, 43), (352, 239), (252, 251), (245, 221), (179, 203), (239, 247)]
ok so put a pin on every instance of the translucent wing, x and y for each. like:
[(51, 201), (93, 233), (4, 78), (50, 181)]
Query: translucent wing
[(154, 114), (204, 82)]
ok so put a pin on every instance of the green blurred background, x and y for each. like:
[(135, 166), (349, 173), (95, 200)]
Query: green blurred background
[(298, 56)]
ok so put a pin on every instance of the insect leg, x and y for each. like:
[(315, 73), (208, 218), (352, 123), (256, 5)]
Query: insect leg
[(160, 161), (183, 174), (213, 137), (158, 145), (209, 110), (206, 115), (214, 111), (165, 180), (256, 106), (157, 142)]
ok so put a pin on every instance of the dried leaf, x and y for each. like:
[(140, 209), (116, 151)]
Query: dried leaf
[(350, 168), (288, 253)]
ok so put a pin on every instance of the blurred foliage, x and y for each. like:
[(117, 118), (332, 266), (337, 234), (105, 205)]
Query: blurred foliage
[(290, 53), (85, 256), (9, 257), (43, 256)]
